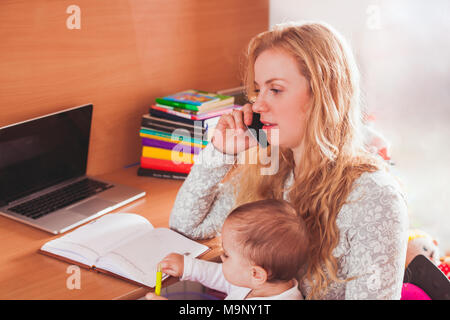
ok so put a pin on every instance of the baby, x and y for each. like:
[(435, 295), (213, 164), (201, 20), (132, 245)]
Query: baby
[(264, 245)]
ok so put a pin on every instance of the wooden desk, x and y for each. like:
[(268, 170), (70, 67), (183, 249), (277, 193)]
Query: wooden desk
[(26, 274)]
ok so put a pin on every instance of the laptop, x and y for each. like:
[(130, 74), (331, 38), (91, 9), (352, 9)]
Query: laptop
[(43, 180)]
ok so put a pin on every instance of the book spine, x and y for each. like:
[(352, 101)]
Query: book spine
[(177, 104), (165, 165), (158, 110), (175, 117), (155, 137), (172, 121), (170, 145), (164, 154), (184, 112), (175, 131), (169, 136), (195, 115), (161, 174)]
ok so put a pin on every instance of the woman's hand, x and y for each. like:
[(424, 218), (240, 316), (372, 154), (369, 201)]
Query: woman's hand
[(231, 135), (173, 264)]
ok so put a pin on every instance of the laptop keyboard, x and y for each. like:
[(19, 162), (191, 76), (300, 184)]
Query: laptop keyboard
[(60, 198)]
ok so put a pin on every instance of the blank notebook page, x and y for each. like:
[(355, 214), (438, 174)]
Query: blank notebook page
[(98, 237), (138, 259)]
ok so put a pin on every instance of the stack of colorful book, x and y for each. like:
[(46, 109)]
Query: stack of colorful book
[(176, 128)]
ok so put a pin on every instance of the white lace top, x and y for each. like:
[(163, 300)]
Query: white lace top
[(373, 225)]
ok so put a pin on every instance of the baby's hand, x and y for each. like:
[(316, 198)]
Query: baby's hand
[(173, 264), (153, 296)]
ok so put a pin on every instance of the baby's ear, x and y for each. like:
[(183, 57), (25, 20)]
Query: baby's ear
[(259, 275)]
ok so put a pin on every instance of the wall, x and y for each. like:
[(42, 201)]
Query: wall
[(125, 54)]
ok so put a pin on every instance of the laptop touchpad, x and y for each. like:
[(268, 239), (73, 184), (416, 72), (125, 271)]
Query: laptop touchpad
[(92, 206)]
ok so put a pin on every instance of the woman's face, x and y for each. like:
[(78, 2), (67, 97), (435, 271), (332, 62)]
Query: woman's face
[(282, 96)]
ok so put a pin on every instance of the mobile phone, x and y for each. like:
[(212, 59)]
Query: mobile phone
[(257, 131)]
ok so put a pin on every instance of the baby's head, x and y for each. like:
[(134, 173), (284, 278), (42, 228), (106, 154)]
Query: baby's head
[(263, 241)]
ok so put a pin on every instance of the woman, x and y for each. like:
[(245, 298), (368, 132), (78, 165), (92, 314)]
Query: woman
[(304, 83)]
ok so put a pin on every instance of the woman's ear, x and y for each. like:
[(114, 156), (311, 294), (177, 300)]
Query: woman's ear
[(259, 275)]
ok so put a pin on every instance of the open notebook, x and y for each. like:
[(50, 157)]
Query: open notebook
[(124, 245)]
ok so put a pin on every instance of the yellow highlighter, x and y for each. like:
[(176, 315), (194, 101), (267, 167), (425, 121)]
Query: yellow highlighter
[(158, 280)]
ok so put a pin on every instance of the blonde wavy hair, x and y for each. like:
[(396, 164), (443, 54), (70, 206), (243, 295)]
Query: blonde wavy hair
[(334, 154)]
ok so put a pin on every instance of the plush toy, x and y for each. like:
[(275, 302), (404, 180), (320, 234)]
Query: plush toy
[(377, 143), (444, 266), (420, 242)]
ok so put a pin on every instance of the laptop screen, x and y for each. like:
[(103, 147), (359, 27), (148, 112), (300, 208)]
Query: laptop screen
[(42, 152)]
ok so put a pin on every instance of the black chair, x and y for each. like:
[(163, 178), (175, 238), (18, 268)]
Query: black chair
[(428, 277)]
